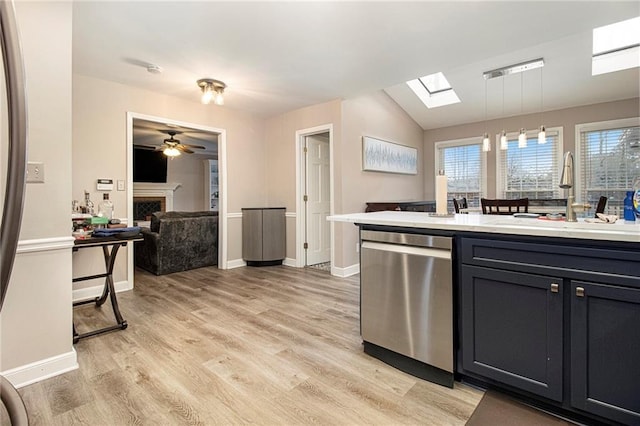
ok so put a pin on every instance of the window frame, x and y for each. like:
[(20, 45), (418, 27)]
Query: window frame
[(454, 143), (531, 134), (579, 148)]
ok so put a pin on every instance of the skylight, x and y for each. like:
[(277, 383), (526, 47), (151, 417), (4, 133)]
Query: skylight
[(616, 47), (434, 90)]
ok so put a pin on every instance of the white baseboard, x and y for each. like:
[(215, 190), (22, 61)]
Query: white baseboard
[(236, 263), (96, 291), (289, 262), (345, 272), (41, 370)]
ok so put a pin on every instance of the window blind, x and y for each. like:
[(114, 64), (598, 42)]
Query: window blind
[(531, 172), (610, 160), (463, 164)]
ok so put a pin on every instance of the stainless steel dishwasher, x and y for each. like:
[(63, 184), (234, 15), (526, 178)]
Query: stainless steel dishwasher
[(406, 302)]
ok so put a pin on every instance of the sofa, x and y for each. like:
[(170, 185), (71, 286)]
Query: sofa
[(178, 241)]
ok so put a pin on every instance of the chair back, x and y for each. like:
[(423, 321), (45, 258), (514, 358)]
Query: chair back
[(460, 203), (504, 206), (602, 202)]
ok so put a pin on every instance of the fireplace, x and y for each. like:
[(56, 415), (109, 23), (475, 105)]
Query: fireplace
[(143, 207), (152, 197)]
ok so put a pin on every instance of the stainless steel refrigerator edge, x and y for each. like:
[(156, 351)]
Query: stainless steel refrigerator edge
[(406, 301), (15, 179)]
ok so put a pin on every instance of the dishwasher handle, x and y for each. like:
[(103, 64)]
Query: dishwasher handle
[(418, 240), (411, 250)]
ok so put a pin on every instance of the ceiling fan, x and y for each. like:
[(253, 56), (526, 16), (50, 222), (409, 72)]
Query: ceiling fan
[(172, 147)]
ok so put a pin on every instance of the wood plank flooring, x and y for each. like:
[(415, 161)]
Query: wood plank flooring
[(273, 346)]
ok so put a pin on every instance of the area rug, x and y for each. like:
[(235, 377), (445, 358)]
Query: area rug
[(322, 266), (497, 409)]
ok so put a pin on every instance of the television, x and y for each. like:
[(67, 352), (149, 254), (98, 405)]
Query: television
[(149, 166)]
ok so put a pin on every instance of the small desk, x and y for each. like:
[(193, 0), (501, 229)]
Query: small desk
[(110, 247)]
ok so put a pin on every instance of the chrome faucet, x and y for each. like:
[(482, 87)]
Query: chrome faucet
[(567, 182)]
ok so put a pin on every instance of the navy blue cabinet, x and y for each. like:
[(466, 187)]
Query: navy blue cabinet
[(559, 321), (605, 350), (512, 329)]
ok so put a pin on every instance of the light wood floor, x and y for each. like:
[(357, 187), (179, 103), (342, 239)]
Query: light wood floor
[(274, 346)]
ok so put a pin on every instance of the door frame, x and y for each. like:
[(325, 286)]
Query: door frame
[(222, 176), (300, 185)]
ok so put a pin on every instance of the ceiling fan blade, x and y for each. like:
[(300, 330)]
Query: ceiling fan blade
[(193, 146), (184, 149), (147, 147)]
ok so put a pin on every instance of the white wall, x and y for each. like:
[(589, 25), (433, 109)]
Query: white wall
[(36, 319)]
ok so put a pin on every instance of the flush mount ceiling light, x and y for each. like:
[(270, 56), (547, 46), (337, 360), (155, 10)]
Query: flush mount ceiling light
[(154, 69), (212, 89), (616, 47), (513, 69), (434, 90)]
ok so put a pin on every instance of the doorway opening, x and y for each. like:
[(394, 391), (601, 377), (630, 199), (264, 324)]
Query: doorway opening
[(314, 189), (149, 133)]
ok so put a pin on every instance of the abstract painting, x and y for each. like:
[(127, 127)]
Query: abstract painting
[(383, 156)]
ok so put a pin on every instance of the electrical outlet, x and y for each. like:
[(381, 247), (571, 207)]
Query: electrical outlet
[(35, 172), (120, 185)]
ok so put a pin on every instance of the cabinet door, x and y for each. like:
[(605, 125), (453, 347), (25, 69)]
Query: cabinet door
[(274, 240), (512, 328), (252, 234), (605, 350)]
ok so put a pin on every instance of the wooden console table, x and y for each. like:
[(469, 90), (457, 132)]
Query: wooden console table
[(110, 247)]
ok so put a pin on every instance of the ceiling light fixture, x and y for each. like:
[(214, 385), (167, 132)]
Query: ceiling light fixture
[(513, 69), (486, 142), (542, 133), (171, 151), (504, 143), (522, 137), (212, 89)]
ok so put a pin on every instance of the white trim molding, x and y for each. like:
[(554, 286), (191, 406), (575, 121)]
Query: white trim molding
[(291, 215), (236, 263), (95, 291), (43, 369), (345, 272), (44, 244), (234, 215), (289, 262)]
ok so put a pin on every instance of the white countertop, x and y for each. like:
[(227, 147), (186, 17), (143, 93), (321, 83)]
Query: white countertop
[(619, 231)]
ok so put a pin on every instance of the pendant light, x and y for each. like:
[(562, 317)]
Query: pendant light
[(542, 134), (486, 142), (504, 143), (522, 137)]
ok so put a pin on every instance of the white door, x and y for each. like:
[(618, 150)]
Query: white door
[(318, 204)]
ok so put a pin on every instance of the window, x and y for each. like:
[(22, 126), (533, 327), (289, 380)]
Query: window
[(608, 157), (533, 171), (465, 166)]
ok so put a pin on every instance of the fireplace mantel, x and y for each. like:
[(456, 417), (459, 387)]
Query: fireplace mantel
[(165, 190)]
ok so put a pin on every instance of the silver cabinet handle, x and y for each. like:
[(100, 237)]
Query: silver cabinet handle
[(555, 287), (579, 291)]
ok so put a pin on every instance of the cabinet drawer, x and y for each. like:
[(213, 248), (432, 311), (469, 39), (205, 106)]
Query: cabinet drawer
[(571, 261)]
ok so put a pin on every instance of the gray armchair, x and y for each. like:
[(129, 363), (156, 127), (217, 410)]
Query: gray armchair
[(178, 241)]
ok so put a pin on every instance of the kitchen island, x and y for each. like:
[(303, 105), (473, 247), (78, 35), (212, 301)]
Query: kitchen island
[(545, 310)]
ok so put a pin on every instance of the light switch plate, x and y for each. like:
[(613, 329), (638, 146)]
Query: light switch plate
[(35, 172), (121, 185)]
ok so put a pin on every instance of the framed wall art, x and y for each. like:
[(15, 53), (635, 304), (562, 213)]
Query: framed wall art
[(389, 157)]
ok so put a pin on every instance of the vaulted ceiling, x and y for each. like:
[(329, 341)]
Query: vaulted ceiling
[(279, 56)]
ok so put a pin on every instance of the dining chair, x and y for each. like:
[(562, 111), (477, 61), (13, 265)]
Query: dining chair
[(602, 202), (504, 206), (460, 203)]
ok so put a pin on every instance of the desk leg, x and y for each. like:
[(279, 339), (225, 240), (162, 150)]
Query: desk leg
[(109, 290)]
